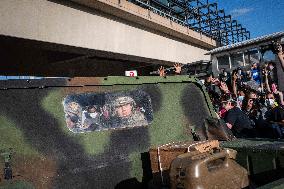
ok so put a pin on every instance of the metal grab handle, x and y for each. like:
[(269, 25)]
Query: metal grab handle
[(203, 163)]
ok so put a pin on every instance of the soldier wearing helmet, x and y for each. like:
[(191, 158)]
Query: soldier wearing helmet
[(91, 118), (124, 106), (73, 116), (125, 114)]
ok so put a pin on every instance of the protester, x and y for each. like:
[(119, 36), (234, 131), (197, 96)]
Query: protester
[(275, 115), (280, 54), (226, 105), (225, 76), (238, 121), (255, 73), (162, 71), (277, 94), (249, 101), (246, 115), (212, 86), (177, 70), (240, 97), (272, 73)]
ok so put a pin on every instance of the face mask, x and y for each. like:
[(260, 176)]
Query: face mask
[(93, 115), (225, 74), (240, 72), (271, 67), (270, 102), (241, 98)]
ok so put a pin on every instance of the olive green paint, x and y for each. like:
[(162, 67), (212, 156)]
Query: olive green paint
[(19, 184), (52, 103), (93, 142), (12, 137), (279, 184), (136, 166), (169, 125)]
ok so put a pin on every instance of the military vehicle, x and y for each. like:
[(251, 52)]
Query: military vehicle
[(73, 132)]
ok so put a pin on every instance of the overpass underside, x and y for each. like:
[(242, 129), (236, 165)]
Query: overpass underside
[(34, 58), (91, 38)]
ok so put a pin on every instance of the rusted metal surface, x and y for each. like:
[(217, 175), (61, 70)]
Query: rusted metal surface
[(41, 171)]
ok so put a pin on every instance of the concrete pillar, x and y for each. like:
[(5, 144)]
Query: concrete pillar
[(217, 63), (215, 67), (244, 60), (249, 58), (230, 61), (259, 56)]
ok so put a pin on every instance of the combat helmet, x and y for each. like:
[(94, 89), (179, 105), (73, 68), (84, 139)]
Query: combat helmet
[(120, 101), (73, 107)]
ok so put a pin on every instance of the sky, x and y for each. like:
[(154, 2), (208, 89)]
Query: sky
[(260, 17)]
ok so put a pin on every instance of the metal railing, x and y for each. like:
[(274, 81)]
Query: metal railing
[(204, 18), (159, 12)]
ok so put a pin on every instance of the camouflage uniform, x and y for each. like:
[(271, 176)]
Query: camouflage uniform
[(136, 118), (73, 116)]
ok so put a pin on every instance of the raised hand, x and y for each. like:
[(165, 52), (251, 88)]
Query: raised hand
[(161, 71), (235, 77), (177, 68), (278, 48), (215, 81), (224, 87), (265, 72)]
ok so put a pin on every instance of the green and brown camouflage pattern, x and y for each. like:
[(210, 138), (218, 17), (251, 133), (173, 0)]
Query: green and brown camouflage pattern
[(47, 155), (278, 184), (263, 158)]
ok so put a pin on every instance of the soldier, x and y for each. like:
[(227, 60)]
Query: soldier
[(73, 116), (91, 118), (125, 114)]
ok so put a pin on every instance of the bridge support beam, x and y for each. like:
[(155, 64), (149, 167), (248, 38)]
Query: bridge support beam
[(78, 26)]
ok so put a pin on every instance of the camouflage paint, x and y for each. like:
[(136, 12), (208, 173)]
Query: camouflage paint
[(17, 185), (96, 159), (14, 137), (279, 184), (263, 158), (93, 143)]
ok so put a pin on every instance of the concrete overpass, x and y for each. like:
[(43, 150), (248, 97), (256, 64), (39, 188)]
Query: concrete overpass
[(91, 38)]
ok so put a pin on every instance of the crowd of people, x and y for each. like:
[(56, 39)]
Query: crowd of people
[(248, 100)]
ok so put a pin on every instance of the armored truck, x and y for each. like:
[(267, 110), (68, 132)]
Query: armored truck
[(90, 132)]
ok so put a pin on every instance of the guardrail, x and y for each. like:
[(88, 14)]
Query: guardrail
[(159, 12)]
